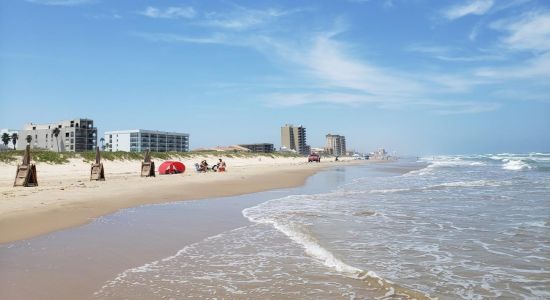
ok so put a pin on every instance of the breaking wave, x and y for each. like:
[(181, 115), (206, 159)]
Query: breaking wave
[(299, 234), (515, 165), (507, 161)]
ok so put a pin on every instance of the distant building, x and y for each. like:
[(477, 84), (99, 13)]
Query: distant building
[(232, 148), (320, 151), (138, 140), (335, 144), (10, 132), (262, 147), (294, 138), (75, 135), (379, 154)]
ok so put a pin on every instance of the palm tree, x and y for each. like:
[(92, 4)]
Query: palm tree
[(14, 138), (55, 132), (29, 139), (102, 140), (6, 139)]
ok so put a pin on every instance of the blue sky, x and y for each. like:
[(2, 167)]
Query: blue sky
[(416, 76)]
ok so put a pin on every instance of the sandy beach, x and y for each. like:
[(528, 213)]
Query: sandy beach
[(65, 197)]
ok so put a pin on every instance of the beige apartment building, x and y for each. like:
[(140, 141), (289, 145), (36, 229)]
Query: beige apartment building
[(294, 138), (335, 144), (75, 135)]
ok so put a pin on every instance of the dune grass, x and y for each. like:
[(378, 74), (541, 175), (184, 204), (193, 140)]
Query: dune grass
[(52, 157)]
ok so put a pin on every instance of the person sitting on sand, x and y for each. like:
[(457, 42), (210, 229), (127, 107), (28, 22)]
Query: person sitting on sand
[(204, 166), (221, 166)]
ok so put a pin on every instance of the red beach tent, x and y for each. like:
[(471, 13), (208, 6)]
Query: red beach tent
[(171, 167)]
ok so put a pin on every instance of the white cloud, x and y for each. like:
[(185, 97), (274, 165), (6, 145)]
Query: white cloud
[(294, 99), (328, 98), (177, 38), (472, 7), (528, 32), (172, 12), (346, 80), (239, 18), (450, 54), (333, 74), (537, 68), (474, 33), (430, 49), (337, 78), (455, 108), (111, 16), (244, 18), (522, 95), (61, 2), (327, 60)]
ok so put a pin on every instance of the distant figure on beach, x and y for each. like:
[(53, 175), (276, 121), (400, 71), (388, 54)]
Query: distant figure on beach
[(220, 167), (336, 158), (204, 166)]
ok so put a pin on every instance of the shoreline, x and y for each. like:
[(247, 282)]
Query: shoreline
[(63, 201)]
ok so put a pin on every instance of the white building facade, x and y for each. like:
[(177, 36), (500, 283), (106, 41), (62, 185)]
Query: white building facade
[(138, 140), (74, 135)]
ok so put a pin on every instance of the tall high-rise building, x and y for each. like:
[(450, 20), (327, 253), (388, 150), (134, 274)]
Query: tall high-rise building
[(335, 144), (74, 136), (294, 138)]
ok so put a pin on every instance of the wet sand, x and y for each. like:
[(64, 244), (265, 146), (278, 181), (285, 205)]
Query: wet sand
[(66, 198), (74, 263)]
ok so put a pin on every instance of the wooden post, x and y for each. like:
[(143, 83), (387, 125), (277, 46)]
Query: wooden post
[(147, 166), (97, 172), (26, 172)]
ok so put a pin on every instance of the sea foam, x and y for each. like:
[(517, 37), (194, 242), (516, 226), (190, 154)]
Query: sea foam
[(515, 165)]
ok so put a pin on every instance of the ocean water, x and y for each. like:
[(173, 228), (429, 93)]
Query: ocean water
[(456, 227)]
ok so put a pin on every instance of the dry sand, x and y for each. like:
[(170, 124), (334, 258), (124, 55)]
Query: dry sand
[(65, 197)]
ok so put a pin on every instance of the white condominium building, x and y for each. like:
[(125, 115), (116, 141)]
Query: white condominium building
[(138, 140)]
